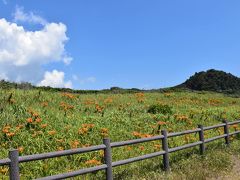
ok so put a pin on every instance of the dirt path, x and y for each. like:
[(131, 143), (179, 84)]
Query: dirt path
[(234, 174)]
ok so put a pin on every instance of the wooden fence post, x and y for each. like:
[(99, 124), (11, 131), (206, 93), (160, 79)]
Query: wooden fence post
[(226, 131), (201, 138), (166, 165), (14, 165), (108, 158)]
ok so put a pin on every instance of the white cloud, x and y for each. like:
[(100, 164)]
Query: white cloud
[(21, 16), (20, 47), (55, 79), (23, 53), (67, 60)]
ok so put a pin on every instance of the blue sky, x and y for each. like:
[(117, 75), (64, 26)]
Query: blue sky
[(131, 43)]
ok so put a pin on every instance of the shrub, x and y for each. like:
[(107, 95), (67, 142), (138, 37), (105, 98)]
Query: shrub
[(159, 108)]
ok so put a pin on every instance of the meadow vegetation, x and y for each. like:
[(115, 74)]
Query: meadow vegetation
[(34, 121)]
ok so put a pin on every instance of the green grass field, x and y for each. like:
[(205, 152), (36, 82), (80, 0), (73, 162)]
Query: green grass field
[(37, 122)]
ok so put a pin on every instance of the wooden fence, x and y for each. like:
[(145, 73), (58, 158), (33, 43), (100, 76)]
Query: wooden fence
[(14, 159)]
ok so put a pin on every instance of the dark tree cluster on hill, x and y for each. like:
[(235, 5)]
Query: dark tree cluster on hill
[(12, 85), (213, 80)]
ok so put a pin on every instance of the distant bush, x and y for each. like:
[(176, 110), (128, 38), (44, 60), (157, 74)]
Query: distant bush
[(159, 108)]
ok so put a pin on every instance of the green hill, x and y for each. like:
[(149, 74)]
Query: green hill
[(213, 80)]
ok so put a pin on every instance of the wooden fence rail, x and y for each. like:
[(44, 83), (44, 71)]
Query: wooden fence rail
[(14, 159)]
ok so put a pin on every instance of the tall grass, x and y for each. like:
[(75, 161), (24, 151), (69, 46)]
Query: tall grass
[(37, 122)]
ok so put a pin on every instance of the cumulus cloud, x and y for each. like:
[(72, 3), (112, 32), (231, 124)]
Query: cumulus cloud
[(55, 79), (20, 47), (21, 16), (23, 53)]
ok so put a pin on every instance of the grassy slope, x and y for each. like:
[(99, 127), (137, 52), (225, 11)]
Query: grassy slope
[(121, 117)]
